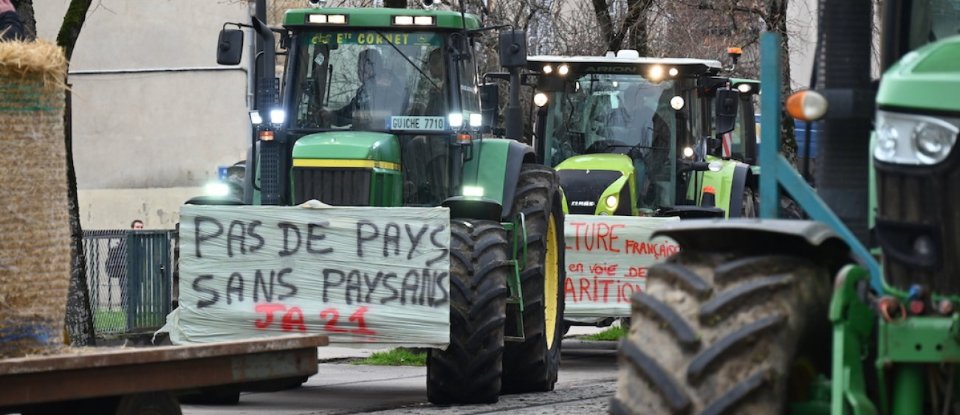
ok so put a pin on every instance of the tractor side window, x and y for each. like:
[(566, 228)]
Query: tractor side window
[(468, 86), (932, 20)]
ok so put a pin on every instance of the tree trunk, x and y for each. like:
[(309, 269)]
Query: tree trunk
[(79, 319), (637, 39), (776, 22)]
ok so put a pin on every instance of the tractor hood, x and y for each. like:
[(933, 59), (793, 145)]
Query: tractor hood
[(604, 161), (597, 184), (348, 145), (917, 80)]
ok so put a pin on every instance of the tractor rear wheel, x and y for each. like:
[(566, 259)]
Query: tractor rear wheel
[(469, 370), (532, 365), (716, 333)]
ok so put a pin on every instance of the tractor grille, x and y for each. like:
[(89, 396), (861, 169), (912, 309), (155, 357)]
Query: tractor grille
[(338, 187), (918, 225), (584, 187)]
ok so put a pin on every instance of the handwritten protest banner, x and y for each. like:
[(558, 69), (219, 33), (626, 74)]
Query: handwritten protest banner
[(607, 259), (360, 275)]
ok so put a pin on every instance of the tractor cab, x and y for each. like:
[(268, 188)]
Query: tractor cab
[(371, 104), (624, 132)]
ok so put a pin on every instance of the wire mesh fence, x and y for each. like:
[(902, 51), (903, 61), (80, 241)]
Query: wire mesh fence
[(130, 279)]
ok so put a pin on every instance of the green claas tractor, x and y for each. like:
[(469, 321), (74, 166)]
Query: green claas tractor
[(380, 107), (639, 136), (778, 316)]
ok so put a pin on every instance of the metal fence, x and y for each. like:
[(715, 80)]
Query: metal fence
[(130, 277)]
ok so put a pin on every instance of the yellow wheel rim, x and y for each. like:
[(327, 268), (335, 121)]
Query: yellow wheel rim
[(550, 283)]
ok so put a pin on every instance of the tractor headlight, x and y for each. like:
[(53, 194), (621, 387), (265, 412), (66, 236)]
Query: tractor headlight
[(455, 119), (540, 99), (475, 191), (612, 202), (933, 142), (277, 116), (931, 139), (218, 189), (476, 120), (676, 103)]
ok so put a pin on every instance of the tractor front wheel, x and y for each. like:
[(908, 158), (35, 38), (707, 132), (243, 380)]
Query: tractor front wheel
[(469, 370), (716, 333), (532, 365)]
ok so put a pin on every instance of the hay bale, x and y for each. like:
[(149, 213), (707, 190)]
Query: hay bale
[(34, 217)]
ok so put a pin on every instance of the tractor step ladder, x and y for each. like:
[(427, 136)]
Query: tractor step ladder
[(517, 262)]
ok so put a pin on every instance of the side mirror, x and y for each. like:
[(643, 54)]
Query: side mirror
[(489, 105), (230, 47), (726, 103), (513, 49)]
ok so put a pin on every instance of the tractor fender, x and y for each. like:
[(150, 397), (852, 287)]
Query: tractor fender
[(808, 239), (741, 173), (495, 167), (517, 154)]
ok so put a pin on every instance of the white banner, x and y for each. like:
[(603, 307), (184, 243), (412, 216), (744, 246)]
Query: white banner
[(360, 275), (607, 259)]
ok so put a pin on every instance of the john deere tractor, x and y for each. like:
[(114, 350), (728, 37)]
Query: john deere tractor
[(641, 136), (800, 317), (379, 107)]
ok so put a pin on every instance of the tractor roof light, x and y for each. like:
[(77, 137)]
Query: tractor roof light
[(563, 70), (333, 19), (540, 99), (745, 88), (255, 118), (673, 72), (655, 73), (424, 21), (688, 152), (547, 69), (414, 20), (807, 105)]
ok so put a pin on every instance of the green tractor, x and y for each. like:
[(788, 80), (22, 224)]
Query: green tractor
[(380, 107), (637, 136), (746, 327), (642, 138)]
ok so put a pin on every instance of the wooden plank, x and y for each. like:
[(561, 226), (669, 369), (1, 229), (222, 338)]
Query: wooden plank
[(125, 371)]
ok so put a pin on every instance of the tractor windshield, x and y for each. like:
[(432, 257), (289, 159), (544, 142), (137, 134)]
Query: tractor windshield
[(366, 79), (627, 114), (932, 20)]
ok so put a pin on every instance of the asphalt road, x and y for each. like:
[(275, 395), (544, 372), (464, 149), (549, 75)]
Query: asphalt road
[(586, 382)]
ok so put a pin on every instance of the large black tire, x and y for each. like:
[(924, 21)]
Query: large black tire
[(719, 334), (532, 365), (469, 370)]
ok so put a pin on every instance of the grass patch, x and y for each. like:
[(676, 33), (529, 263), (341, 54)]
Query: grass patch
[(610, 334), (106, 321), (395, 357)]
